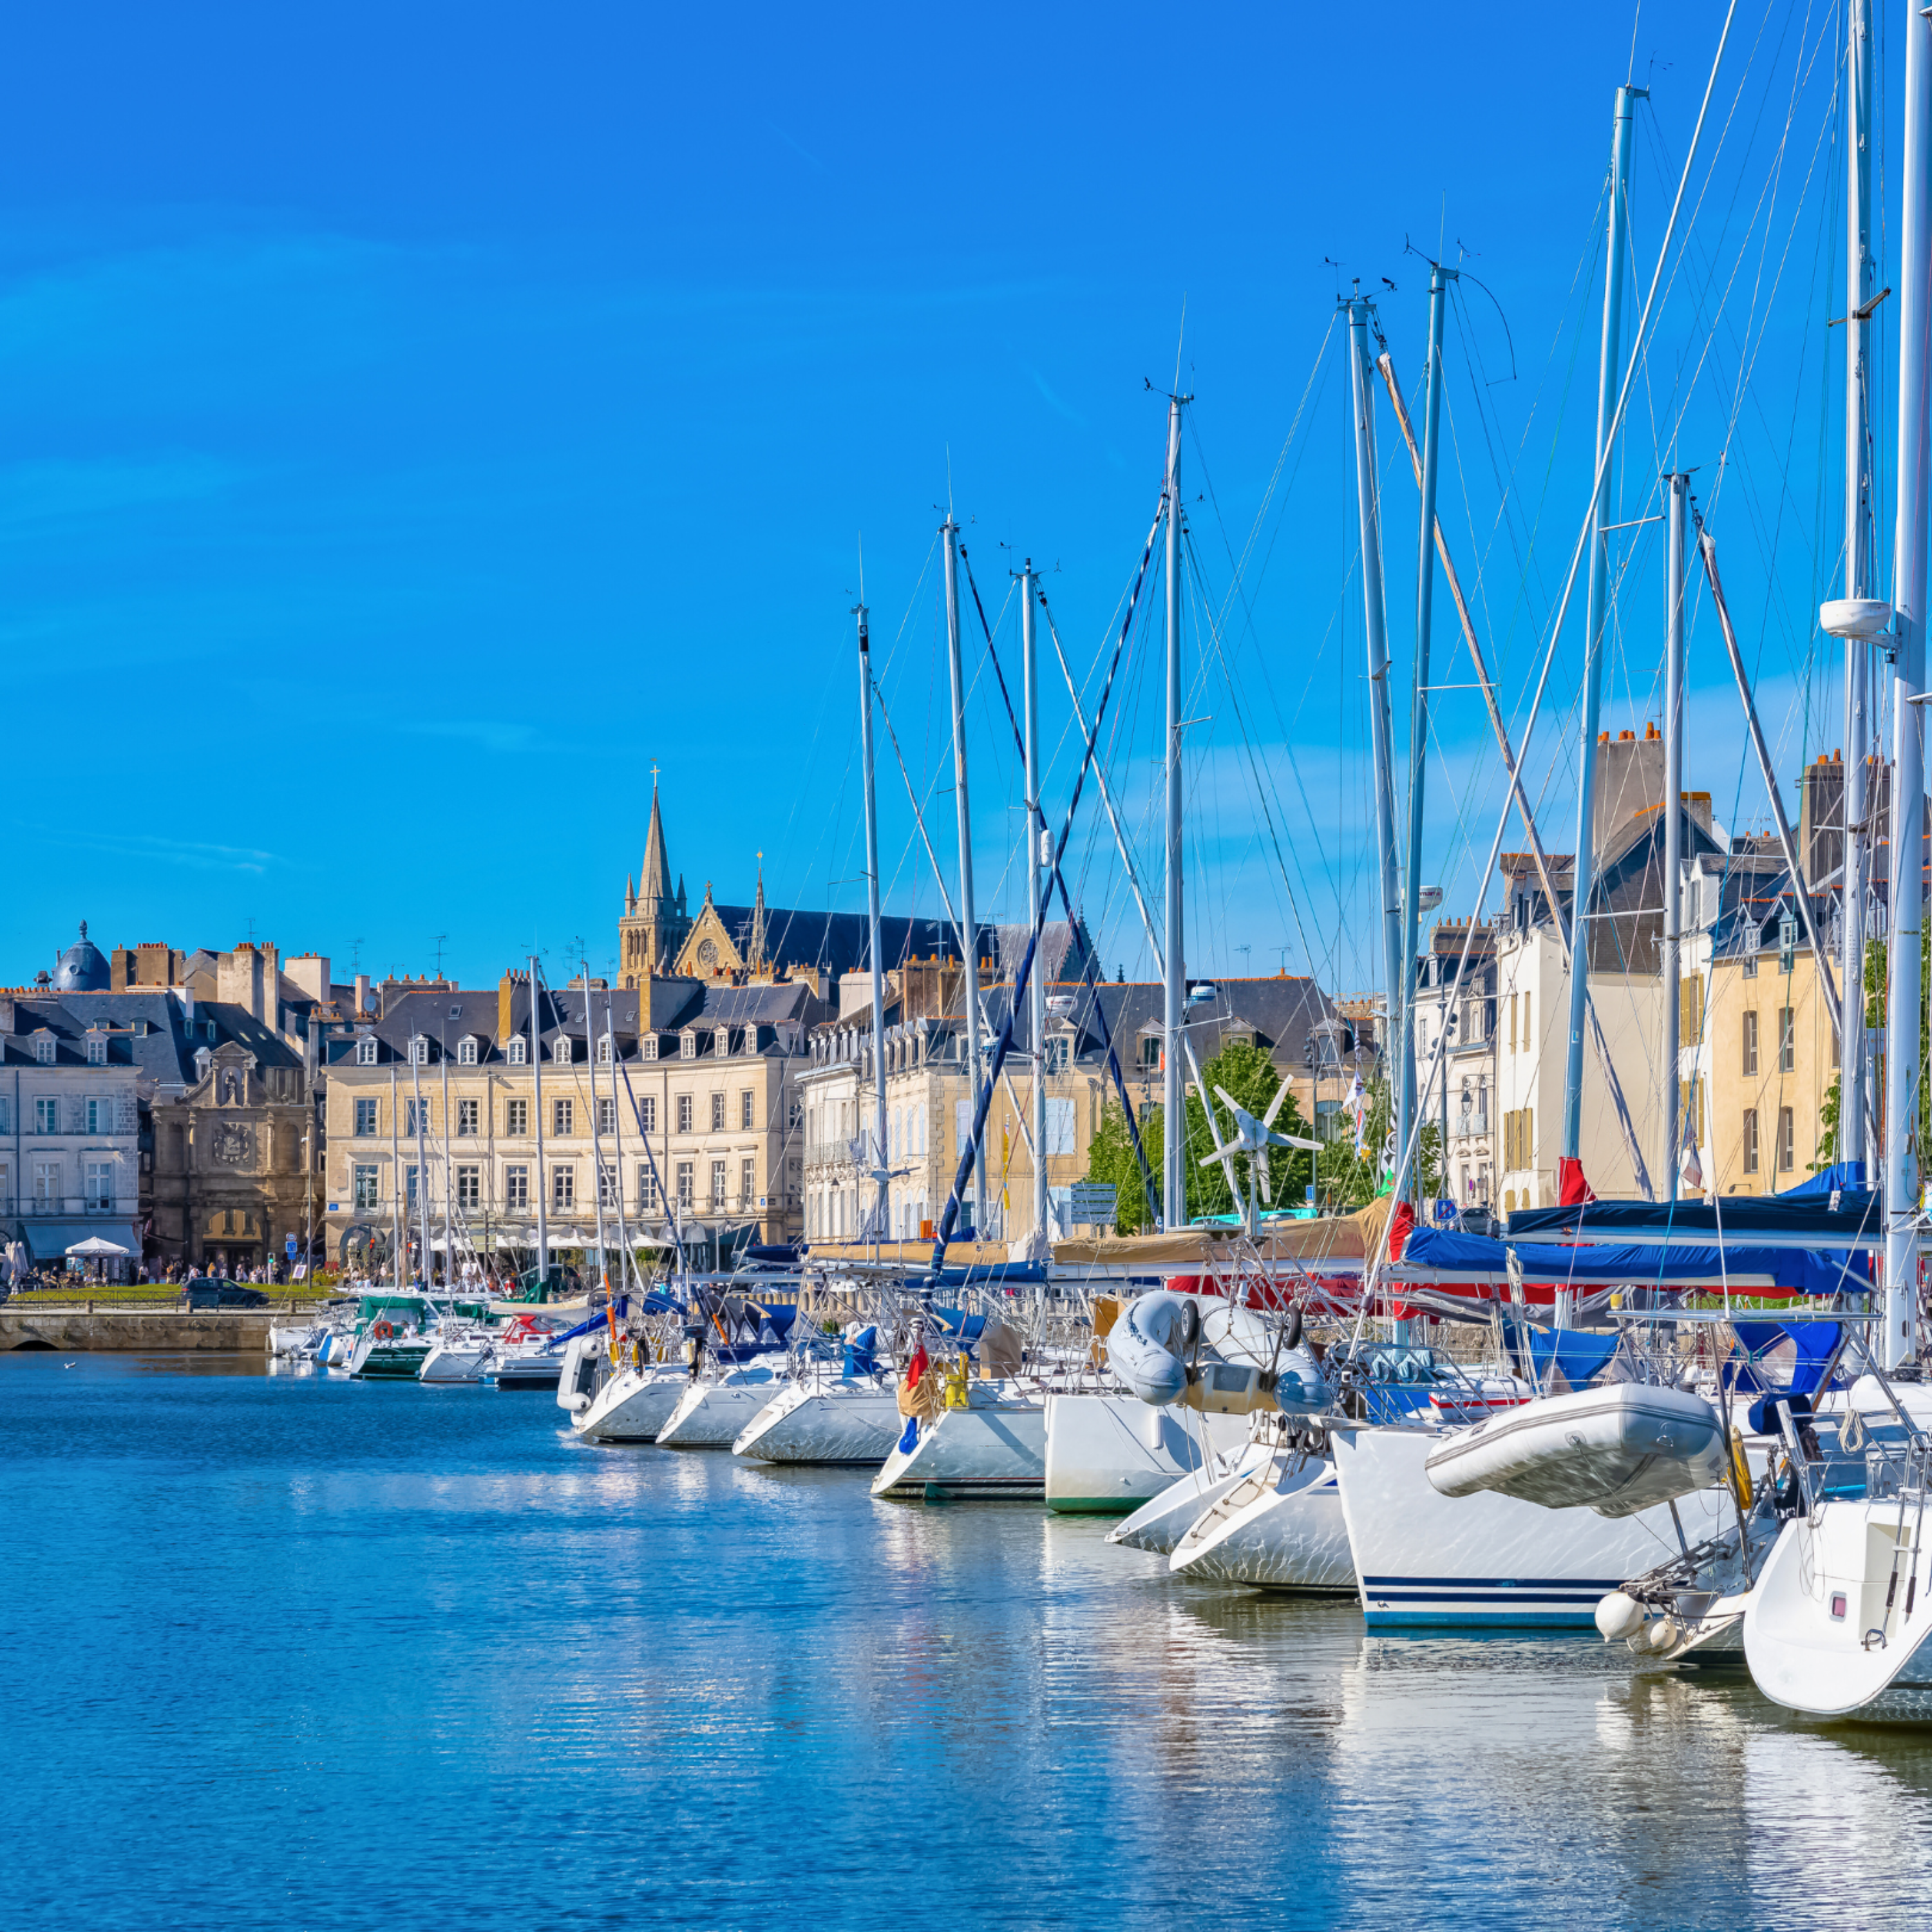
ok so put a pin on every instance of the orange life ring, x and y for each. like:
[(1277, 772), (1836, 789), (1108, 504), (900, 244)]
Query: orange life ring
[(383, 1331)]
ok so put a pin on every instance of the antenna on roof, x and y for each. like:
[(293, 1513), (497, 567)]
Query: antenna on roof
[(442, 940)]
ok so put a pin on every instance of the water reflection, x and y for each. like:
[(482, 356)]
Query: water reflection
[(736, 1696)]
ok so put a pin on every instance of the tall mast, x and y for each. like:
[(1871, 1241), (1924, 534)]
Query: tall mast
[(1036, 827), (1675, 529), (617, 1133), (448, 1192), (596, 1132), (1418, 738), (1174, 1089), (1903, 991), (422, 1153), (969, 928), (1609, 359), (1861, 272), (1375, 624), (882, 1204), (395, 1180), (536, 1107)]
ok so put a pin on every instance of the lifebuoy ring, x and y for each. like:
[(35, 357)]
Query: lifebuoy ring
[(383, 1331)]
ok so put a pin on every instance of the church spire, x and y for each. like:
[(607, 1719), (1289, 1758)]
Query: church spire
[(654, 884), (757, 962)]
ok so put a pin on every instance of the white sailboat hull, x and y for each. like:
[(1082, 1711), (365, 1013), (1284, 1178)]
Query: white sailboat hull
[(713, 1415), (1487, 1560), (1841, 1623), (632, 1407), (851, 1424), (1281, 1528), (456, 1362), (1159, 1523), (1108, 1454), (995, 1448)]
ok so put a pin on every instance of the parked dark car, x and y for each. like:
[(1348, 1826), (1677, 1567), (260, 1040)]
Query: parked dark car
[(1480, 1221), (207, 1294)]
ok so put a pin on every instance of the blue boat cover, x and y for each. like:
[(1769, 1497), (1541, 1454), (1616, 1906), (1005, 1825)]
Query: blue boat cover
[(1580, 1353), (1806, 1211), (1816, 1343), (860, 1357), (1795, 1270)]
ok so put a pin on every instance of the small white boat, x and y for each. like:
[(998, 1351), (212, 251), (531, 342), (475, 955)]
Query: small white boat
[(848, 1421), (993, 1446), (1616, 1449), (1281, 1527), (296, 1340), (460, 1356), (1108, 1454), (712, 1412)]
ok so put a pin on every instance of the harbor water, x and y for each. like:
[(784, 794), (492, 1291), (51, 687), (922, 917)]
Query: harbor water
[(296, 1651)]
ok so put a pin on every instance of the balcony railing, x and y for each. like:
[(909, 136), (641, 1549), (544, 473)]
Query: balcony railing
[(1469, 1126)]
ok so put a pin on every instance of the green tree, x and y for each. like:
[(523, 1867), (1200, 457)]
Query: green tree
[(1247, 1073), (1349, 1183)]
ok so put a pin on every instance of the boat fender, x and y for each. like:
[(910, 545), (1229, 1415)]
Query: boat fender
[(1619, 1614), (1667, 1633)]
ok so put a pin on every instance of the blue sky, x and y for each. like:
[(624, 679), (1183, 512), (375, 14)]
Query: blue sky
[(416, 423)]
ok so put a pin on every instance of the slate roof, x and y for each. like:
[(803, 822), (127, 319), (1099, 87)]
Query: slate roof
[(164, 1055), (835, 942), (443, 1013)]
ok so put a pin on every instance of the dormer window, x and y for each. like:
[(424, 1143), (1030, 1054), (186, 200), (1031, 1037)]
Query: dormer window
[(516, 1051), (721, 1042), (559, 1050), (647, 1047), (97, 1050), (688, 1046), (365, 1050), (44, 1049), (603, 1051), (466, 1050), (419, 1051)]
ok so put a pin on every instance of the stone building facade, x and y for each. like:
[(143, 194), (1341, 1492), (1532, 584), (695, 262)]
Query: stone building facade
[(673, 1105)]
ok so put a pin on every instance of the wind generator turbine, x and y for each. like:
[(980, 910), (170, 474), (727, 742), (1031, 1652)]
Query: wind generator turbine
[(1253, 1137)]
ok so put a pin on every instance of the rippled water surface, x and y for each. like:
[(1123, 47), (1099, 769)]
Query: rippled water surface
[(296, 1651)]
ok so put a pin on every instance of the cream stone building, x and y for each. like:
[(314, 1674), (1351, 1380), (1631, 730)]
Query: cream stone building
[(1758, 1054), (928, 1099), (674, 1106), (929, 1123)]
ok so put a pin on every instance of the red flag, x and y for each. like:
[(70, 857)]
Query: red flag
[(1400, 1222), (1572, 1190), (917, 1367)]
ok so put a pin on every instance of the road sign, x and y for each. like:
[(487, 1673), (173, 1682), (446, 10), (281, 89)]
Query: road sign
[(291, 1245), (1094, 1204)]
